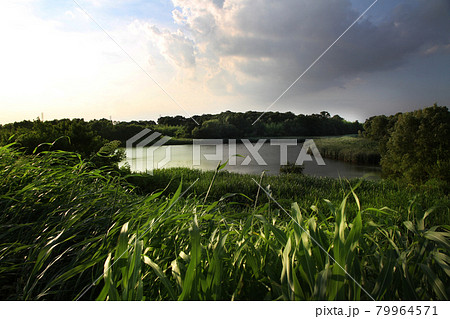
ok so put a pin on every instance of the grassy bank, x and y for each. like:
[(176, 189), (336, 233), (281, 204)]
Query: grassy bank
[(287, 188), (355, 150), (69, 230)]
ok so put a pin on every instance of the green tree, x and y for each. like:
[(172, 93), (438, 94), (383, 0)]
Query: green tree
[(215, 129), (418, 148)]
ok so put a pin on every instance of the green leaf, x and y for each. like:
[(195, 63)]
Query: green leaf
[(220, 167), (410, 226), (443, 261), (158, 272), (191, 279), (436, 283), (439, 237), (280, 236)]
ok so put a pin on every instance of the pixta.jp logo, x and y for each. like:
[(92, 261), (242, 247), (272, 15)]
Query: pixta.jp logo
[(308, 148), (146, 143), (141, 142)]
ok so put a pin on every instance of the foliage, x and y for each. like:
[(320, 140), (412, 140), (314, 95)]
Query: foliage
[(68, 135), (215, 129), (86, 138), (378, 128), (168, 130), (109, 154), (414, 145)]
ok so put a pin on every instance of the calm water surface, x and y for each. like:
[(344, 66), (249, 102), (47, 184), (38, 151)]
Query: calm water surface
[(149, 158)]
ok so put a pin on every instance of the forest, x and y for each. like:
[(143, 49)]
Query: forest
[(88, 137)]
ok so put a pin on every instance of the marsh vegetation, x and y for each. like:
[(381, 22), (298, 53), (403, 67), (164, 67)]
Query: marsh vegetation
[(72, 230)]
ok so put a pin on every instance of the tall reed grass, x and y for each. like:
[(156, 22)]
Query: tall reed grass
[(357, 150), (72, 231)]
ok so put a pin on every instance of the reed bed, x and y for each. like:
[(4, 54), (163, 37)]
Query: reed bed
[(357, 150), (72, 231)]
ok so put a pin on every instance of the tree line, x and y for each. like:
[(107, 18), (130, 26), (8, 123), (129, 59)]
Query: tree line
[(87, 137), (271, 124)]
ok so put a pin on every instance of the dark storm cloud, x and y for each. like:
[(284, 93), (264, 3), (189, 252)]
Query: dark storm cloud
[(297, 33), (272, 42)]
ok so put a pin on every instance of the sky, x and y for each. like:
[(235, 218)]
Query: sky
[(141, 59)]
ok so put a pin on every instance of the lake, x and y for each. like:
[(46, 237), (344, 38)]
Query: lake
[(267, 157)]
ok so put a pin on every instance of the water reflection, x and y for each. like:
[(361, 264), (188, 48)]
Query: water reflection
[(147, 159)]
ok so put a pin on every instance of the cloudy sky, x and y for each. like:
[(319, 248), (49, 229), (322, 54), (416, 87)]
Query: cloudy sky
[(216, 55)]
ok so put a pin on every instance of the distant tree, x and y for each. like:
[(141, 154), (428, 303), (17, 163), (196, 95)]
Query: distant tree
[(325, 114), (215, 129), (173, 121), (274, 129), (167, 130)]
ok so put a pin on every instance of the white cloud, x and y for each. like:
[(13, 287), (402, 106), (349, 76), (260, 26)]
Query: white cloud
[(176, 47)]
